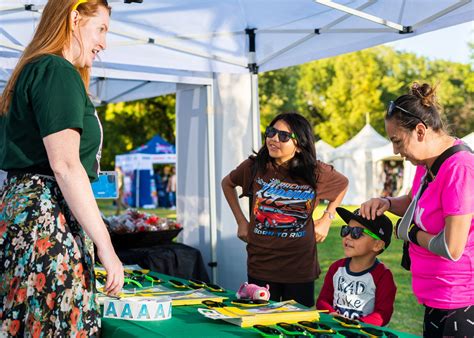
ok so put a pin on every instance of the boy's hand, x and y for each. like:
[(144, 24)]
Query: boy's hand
[(321, 229)]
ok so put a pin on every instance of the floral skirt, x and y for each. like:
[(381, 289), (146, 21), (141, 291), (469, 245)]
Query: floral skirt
[(46, 272)]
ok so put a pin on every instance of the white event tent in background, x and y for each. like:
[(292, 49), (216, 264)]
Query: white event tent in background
[(322, 150), (209, 53), (469, 140), (361, 160)]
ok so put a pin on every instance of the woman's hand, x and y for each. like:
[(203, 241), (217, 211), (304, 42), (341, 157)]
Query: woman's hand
[(114, 269), (321, 228), (243, 230), (374, 207)]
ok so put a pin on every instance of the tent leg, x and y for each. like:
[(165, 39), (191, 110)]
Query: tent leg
[(212, 182), (256, 137), (137, 190)]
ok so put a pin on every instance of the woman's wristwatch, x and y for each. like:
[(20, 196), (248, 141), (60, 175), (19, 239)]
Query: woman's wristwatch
[(330, 214)]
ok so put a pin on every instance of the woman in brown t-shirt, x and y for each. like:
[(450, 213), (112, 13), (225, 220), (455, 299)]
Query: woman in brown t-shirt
[(285, 183)]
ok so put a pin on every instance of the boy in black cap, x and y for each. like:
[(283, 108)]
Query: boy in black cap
[(360, 286)]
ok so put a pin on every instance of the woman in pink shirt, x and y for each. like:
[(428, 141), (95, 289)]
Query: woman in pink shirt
[(442, 235)]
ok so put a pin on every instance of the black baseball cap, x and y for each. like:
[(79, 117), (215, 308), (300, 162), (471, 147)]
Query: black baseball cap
[(381, 226)]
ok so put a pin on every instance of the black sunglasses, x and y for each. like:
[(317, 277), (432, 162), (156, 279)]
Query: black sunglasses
[(212, 303), (357, 232), (283, 136), (392, 106)]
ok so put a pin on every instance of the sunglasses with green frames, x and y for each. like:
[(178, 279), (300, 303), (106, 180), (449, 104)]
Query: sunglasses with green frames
[(357, 232)]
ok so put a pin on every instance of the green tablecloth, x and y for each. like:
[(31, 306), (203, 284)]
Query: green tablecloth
[(187, 322)]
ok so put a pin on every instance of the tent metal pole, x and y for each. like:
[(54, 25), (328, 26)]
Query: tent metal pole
[(10, 45), (256, 137), (362, 15), (137, 190), (440, 13), (128, 91), (253, 68), (169, 45), (212, 181)]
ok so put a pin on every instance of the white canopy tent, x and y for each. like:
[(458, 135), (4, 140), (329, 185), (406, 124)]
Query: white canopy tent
[(210, 52), (322, 150), (354, 160), (361, 160), (155, 151)]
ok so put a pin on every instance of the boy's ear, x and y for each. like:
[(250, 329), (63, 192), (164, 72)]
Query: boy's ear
[(378, 245)]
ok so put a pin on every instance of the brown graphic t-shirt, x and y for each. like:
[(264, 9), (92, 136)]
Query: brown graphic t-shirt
[(281, 245)]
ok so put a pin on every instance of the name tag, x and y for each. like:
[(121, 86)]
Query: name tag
[(142, 309)]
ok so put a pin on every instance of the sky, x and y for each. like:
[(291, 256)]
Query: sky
[(448, 44)]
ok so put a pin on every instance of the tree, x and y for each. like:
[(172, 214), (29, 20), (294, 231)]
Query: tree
[(343, 91), (277, 92), (130, 124), (337, 94)]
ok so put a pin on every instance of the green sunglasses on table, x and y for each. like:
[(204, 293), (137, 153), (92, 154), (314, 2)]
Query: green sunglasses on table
[(142, 276), (102, 279)]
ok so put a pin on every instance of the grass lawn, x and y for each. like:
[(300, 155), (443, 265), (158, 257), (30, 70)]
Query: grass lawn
[(408, 314), (107, 207)]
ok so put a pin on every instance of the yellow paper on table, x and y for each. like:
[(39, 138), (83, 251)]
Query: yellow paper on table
[(289, 312)]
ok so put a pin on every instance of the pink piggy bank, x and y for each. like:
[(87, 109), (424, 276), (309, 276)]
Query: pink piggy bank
[(253, 291)]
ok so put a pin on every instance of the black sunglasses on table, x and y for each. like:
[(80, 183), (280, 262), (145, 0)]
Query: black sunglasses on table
[(283, 136), (357, 232), (392, 106)]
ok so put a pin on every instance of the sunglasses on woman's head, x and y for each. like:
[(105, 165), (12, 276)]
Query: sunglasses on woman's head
[(283, 136), (357, 232), (392, 106)]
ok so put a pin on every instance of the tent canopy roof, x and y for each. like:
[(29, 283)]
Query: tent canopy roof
[(155, 151), (157, 145), (158, 43), (217, 36), (366, 138), (323, 146)]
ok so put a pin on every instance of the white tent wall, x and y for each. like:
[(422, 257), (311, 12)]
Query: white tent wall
[(409, 171), (384, 153), (361, 160), (354, 168), (233, 143), (192, 195), (469, 140)]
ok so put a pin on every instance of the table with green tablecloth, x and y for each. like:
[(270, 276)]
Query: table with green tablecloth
[(187, 322)]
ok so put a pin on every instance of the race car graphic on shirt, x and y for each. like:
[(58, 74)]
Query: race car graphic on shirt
[(273, 217), (282, 209)]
